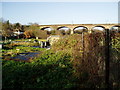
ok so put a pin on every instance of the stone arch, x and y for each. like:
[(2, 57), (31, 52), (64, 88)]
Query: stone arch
[(64, 30), (45, 28), (80, 29), (49, 30), (115, 28), (98, 29), (62, 27)]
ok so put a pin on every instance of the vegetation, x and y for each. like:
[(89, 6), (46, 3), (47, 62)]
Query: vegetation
[(7, 30), (18, 31), (66, 65), (73, 62), (13, 49), (50, 70), (36, 33), (85, 63), (11, 31), (7, 54)]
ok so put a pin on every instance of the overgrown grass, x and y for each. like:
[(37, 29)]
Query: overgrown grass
[(23, 42), (63, 66), (14, 51), (32, 39), (51, 70)]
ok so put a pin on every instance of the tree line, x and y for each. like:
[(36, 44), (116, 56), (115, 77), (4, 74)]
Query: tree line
[(17, 31)]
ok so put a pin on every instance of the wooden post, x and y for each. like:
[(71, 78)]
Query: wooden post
[(107, 58), (83, 45)]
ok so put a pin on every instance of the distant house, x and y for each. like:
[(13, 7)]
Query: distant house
[(17, 33), (53, 38)]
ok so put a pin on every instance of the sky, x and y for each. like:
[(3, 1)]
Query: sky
[(47, 13)]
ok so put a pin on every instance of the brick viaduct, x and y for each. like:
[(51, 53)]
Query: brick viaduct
[(89, 27)]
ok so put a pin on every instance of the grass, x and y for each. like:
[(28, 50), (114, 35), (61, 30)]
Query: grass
[(50, 70), (12, 49), (30, 39), (57, 68)]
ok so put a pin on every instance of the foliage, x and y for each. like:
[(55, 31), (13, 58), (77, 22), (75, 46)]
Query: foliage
[(51, 70), (10, 50), (6, 29), (87, 57), (36, 33), (21, 42), (33, 26), (17, 26), (116, 41), (30, 31), (13, 51), (33, 31), (11, 45), (52, 32), (30, 40), (68, 43), (71, 63), (28, 34), (115, 60)]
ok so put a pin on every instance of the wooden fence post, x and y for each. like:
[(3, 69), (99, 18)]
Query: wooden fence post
[(107, 58)]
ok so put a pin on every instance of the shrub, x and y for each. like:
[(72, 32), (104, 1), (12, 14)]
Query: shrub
[(68, 43), (50, 70), (87, 57)]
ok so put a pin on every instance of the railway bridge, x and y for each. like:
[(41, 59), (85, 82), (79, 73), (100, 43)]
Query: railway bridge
[(72, 27)]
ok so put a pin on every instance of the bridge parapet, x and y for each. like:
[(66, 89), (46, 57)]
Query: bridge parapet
[(72, 26)]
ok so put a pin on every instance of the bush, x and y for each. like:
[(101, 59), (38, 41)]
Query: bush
[(68, 43), (36, 33), (87, 58), (50, 70), (67, 65)]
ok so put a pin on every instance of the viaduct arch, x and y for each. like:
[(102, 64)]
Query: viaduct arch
[(72, 27)]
